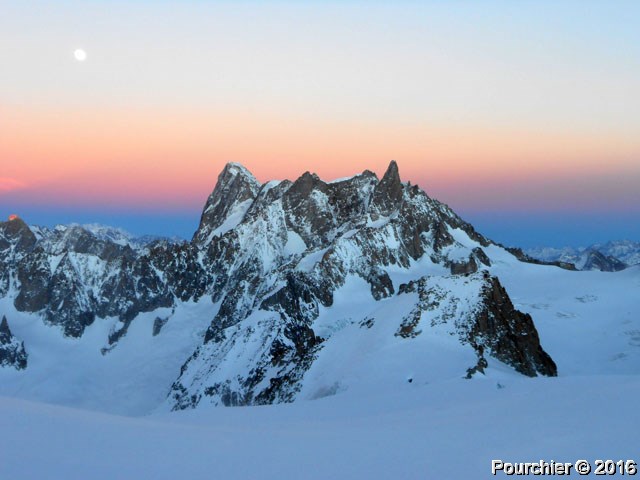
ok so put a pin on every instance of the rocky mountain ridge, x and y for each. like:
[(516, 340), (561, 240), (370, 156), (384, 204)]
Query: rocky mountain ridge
[(272, 259)]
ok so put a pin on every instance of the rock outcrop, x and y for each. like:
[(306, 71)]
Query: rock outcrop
[(12, 351), (594, 260)]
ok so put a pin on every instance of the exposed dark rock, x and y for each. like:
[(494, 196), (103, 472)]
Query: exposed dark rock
[(12, 351), (479, 255), (5, 332), (69, 303), (508, 334), (408, 327), (296, 299), (381, 284), (33, 275), (82, 241), (118, 332), (17, 234), (523, 257), (478, 368), (388, 194), (496, 328), (441, 236), (235, 185), (605, 263), (158, 323), (464, 267)]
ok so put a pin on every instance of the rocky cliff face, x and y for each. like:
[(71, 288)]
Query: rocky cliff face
[(12, 352), (594, 260), (272, 258), (492, 326)]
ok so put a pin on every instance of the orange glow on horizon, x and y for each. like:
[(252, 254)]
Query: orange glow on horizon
[(152, 157)]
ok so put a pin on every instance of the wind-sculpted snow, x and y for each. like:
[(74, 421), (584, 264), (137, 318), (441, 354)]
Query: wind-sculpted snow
[(273, 260)]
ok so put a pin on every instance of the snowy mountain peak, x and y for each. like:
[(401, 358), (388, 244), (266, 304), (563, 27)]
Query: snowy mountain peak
[(15, 238), (235, 190), (283, 286), (235, 168)]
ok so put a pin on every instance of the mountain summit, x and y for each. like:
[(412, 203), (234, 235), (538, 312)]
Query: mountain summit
[(306, 287)]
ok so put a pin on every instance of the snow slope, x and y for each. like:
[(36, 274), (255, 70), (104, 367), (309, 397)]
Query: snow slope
[(448, 431), (589, 322), (373, 423), (130, 379)]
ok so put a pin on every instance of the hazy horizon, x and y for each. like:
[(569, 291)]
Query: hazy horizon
[(511, 228), (523, 117)]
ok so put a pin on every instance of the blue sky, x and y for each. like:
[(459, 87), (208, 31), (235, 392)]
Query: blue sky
[(523, 116)]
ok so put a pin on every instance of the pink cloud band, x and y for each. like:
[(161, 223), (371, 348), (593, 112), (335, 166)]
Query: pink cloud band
[(10, 184)]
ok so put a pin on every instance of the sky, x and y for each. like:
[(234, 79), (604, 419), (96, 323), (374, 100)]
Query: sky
[(522, 116)]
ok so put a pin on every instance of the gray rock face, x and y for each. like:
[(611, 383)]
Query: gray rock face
[(594, 260), (464, 267), (508, 334), (16, 240), (16, 235), (494, 328), (388, 194), (12, 352), (523, 257), (270, 257), (236, 185), (70, 276)]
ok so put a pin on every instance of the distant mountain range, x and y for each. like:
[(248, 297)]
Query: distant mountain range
[(101, 232), (611, 256)]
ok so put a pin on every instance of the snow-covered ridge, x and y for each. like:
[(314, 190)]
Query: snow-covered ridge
[(116, 235), (287, 291)]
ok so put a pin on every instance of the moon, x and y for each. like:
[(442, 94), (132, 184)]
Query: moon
[(80, 55)]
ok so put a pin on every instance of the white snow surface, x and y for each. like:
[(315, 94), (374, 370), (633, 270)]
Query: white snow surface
[(372, 405), (420, 431), (132, 378), (343, 179), (295, 244), (234, 217)]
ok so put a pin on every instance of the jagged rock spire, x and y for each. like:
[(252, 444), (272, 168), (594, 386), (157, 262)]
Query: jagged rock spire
[(4, 330), (12, 352), (387, 196)]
